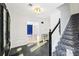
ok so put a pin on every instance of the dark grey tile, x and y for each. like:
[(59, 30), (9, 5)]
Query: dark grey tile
[(42, 51)]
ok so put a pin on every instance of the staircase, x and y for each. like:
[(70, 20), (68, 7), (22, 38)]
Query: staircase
[(69, 39)]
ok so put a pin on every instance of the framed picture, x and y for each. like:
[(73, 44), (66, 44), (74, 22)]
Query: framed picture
[(29, 29)]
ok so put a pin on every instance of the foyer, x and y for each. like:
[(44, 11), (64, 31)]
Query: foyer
[(39, 29)]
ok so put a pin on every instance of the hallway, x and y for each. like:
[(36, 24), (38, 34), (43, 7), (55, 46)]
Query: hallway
[(39, 29)]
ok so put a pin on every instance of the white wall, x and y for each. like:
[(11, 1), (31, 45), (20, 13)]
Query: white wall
[(55, 18), (18, 31), (74, 7), (65, 16), (44, 28)]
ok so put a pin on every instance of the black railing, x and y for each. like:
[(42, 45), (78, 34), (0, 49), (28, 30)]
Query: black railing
[(50, 36), (8, 43), (5, 49)]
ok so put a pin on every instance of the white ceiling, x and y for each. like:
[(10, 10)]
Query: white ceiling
[(23, 9)]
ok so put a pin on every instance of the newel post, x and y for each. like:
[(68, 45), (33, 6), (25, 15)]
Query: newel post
[(50, 43)]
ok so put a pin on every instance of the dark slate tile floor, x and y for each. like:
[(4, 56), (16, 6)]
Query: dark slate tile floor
[(42, 51)]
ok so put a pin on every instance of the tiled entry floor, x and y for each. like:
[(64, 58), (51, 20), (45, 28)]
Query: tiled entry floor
[(25, 51)]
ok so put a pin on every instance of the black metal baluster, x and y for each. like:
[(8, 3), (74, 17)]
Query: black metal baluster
[(50, 43)]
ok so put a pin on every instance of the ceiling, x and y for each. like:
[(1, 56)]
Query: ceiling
[(23, 9)]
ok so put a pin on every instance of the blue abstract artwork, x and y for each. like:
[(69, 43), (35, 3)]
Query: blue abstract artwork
[(29, 29)]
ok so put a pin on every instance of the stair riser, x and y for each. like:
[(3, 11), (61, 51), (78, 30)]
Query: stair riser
[(67, 42), (67, 46)]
